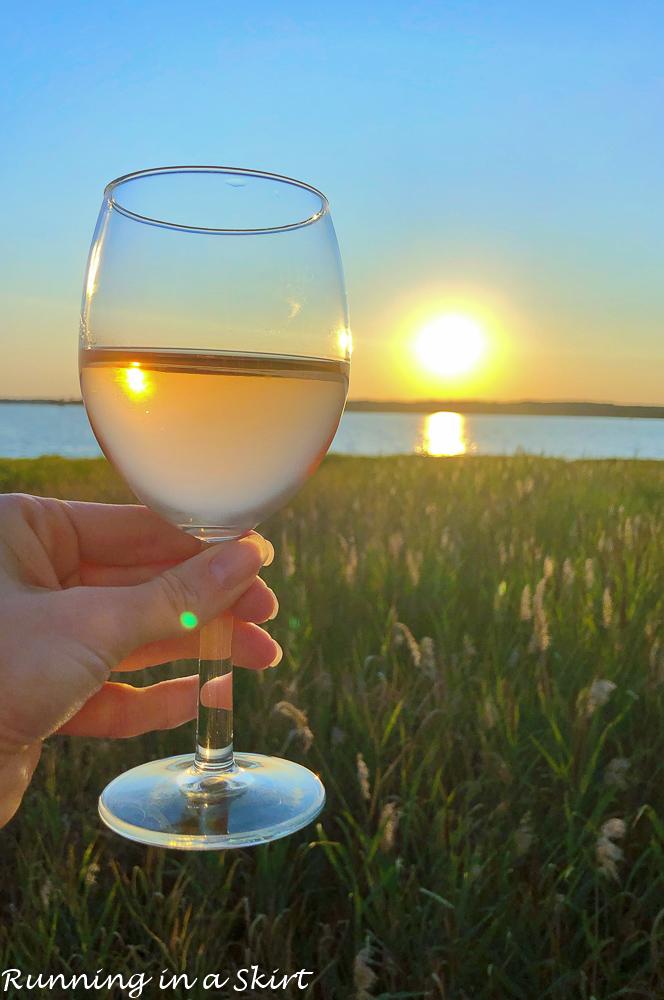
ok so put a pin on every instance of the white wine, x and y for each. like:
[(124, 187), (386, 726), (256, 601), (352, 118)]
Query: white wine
[(212, 441)]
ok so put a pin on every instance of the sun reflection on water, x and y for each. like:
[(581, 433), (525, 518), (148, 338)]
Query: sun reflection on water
[(134, 381), (444, 434)]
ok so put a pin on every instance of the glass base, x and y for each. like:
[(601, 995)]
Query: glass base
[(170, 803)]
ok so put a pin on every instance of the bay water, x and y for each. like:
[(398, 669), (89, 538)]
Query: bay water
[(28, 430)]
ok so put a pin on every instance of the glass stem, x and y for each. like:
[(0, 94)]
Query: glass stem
[(214, 731)]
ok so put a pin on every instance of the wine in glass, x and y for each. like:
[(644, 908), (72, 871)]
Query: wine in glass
[(214, 363)]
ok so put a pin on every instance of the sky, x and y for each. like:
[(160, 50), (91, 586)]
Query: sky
[(498, 161)]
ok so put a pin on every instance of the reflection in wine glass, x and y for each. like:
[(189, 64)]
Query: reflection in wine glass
[(444, 433)]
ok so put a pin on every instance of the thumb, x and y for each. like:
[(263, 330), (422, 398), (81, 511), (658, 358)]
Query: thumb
[(186, 596)]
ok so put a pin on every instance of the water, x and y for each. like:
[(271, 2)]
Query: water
[(499, 434), (30, 430)]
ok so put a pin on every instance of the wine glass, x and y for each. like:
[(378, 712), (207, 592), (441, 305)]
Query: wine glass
[(214, 362)]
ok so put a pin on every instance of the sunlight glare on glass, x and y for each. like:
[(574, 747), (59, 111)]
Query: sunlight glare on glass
[(92, 270), (345, 342), (444, 434), (451, 345)]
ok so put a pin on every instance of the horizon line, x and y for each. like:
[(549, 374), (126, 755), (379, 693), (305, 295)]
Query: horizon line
[(532, 407)]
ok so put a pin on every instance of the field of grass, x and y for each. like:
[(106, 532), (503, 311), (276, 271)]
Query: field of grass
[(488, 634)]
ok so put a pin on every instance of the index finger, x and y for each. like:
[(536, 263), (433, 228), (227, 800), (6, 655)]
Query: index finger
[(126, 535)]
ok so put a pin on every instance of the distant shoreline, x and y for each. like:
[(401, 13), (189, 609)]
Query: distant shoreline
[(531, 408), (44, 402)]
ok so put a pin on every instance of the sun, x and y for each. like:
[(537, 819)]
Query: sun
[(451, 345)]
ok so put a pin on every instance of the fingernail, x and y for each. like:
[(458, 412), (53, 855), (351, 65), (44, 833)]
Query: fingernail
[(269, 558), (236, 563), (279, 655), (276, 607)]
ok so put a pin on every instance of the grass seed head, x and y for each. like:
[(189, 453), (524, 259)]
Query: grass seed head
[(428, 656), (615, 773), (607, 608), (526, 609), (540, 639), (395, 544), (608, 853), (414, 563), (589, 573), (363, 975), (523, 835), (598, 694), (401, 633), (45, 892), (296, 715), (614, 829), (388, 822), (350, 566), (653, 656), (306, 738), (301, 730), (91, 874), (363, 778), (287, 557), (568, 573)]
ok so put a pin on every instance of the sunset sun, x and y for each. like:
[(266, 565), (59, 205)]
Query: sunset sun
[(451, 345)]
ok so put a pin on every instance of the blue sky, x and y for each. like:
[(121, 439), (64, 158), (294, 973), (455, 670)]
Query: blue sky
[(500, 159)]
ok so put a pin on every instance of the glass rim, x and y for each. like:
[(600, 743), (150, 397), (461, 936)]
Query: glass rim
[(109, 195)]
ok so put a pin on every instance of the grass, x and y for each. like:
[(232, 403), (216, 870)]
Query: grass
[(464, 856)]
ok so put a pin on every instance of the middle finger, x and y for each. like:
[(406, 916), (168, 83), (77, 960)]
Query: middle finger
[(252, 648)]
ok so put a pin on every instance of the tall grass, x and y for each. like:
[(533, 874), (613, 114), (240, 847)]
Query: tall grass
[(476, 648)]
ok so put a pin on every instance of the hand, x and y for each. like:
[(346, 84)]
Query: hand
[(86, 589)]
